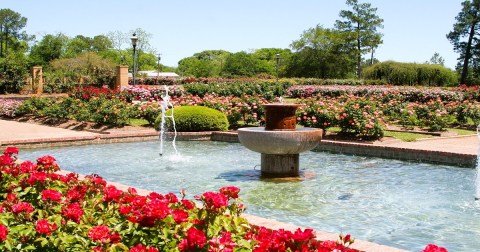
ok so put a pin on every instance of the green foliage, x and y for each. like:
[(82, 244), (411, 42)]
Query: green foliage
[(86, 67), (51, 47), (465, 40), (34, 106), (267, 89), (11, 25), (193, 66), (398, 73), (360, 26), (321, 53), (195, 118), (243, 64), (13, 72)]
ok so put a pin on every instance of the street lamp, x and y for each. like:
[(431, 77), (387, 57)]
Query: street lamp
[(134, 39), (278, 60), (158, 68)]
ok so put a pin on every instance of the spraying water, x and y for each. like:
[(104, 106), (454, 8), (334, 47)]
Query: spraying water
[(165, 105), (477, 177)]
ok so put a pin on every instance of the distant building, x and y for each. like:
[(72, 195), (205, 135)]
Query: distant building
[(154, 74)]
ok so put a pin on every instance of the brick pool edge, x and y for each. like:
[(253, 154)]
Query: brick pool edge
[(410, 154)]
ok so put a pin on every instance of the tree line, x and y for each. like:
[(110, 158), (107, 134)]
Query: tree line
[(343, 51)]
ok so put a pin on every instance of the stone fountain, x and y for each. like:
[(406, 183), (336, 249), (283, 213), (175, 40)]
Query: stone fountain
[(280, 142)]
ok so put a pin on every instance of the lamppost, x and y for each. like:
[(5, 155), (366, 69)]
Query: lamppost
[(278, 60), (158, 68), (134, 39)]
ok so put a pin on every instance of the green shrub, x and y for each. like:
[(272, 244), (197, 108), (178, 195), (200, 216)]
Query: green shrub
[(34, 105), (195, 118), (399, 73)]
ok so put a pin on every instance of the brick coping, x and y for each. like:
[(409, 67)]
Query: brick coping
[(275, 225)]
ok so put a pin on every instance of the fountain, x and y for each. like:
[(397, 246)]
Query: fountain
[(280, 142), (165, 104), (477, 177)]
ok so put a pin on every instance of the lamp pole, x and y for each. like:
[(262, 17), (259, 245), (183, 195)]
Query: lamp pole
[(134, 39), (158, 68), (278, 59)]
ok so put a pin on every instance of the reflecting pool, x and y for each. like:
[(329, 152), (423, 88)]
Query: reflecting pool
[(396, 203)]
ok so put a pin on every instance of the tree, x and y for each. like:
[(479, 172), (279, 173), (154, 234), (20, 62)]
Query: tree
[(214, 60), (321, 53), (49, 48), (436, 59), (244, 64), (465, 37), (360, 25), (11, 25), (193, 66)]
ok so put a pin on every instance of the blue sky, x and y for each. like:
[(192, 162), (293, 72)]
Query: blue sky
[(413, 29)]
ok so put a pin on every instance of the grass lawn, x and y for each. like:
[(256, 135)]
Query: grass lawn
[(406, 136), (137, 122), (462, 131)]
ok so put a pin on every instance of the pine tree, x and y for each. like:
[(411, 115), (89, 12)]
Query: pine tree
[(361, 24), (465, 37)]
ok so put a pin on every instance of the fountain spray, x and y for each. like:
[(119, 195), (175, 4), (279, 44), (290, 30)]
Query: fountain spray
[(165, 105), (477, 176)]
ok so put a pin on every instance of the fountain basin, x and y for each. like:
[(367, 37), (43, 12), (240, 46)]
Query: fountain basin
[(280, 149), (279, 142)]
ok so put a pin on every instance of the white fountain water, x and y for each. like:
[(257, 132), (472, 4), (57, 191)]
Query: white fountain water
[(165, 105), (477, 178)]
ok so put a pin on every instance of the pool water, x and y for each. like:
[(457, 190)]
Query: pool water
[(390, 202)]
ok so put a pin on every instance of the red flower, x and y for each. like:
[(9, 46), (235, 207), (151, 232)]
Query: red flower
[(27, 167), (223, 243), (188, 204), (73, 212), (103, 234), (22, 207), (46, 160), (303, 236), (152, 211), (6, 160), (195, 239), (214, 200), (52, 195), (99, 233), (97, 180), (434, 248), (47, 163), (76, 194), (43, 227), (141, 248), (172, 198), (11, 197), (112, 194), (3, 232), (9, 151), (37, 177), (179, 216), (230, 191)]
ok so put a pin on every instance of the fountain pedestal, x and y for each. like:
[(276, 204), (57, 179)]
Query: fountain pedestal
[(280, 142), (280, 165)]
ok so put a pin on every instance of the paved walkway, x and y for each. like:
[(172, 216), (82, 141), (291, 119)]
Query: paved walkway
[(12, 130), (468, 144)]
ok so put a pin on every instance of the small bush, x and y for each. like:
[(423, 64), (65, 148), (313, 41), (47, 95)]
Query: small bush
[(195, 118)]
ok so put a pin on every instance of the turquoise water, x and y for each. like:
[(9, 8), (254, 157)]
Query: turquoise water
[(396, 203)]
